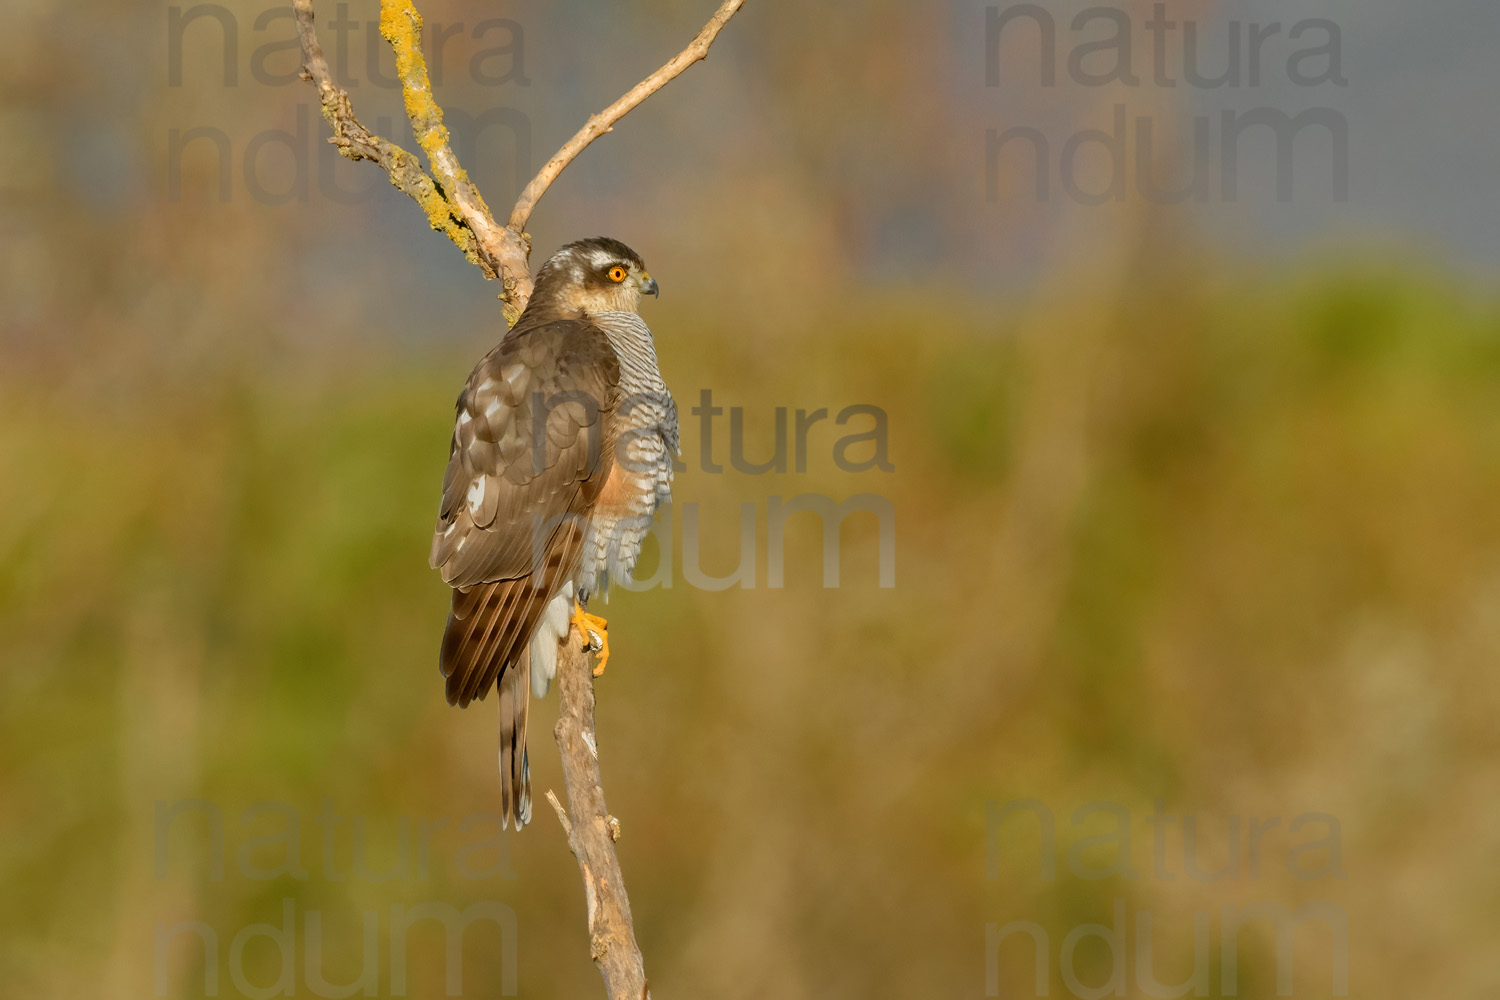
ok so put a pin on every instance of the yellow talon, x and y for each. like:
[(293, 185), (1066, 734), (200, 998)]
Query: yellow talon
[(595, 632)]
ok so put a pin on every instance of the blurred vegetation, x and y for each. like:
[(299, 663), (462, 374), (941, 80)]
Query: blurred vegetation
[(1281, 596), (1172, 525)]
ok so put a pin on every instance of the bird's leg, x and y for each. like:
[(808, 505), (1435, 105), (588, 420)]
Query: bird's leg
[(595, 632)]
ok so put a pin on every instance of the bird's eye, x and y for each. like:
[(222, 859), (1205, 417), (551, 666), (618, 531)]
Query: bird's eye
[(617, 273)]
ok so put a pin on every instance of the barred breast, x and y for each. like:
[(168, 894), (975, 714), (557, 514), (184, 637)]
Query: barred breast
[(646, 441)]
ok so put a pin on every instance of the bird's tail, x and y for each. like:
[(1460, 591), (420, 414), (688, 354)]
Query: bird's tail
[(529, 675), (515, 767)]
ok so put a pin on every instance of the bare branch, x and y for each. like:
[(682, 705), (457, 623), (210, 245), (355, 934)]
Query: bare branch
[(562, 814), (592, 831), (604, 121)]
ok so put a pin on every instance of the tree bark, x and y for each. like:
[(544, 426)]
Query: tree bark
[(592, 831)]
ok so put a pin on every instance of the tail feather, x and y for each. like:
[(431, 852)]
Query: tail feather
[(515, 765)]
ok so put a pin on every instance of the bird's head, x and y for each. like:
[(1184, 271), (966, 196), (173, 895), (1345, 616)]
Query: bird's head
[(593, 276)]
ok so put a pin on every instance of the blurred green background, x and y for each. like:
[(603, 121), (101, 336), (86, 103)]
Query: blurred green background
[(1193, 506)]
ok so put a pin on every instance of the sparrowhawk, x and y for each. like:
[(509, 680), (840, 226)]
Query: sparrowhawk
[(561, 453)]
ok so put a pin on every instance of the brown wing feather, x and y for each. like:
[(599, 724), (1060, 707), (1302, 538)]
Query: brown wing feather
[(481, 644), (530, 454)]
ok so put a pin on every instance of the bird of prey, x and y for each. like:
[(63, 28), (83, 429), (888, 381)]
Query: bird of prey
[(561, 454)]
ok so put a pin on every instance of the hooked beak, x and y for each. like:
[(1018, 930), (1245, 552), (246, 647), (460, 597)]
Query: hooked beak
[(649, 285)]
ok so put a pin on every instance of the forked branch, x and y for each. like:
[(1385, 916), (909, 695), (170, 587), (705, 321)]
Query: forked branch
[(356, 142), (454, 207), (451, 202)]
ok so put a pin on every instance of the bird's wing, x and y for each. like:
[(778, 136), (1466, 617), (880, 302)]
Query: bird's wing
[(529, 457)]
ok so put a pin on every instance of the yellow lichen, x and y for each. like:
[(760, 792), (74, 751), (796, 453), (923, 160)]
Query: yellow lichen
[(401, 25)]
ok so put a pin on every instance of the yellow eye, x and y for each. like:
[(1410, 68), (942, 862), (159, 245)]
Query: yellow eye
[(617, 273)]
